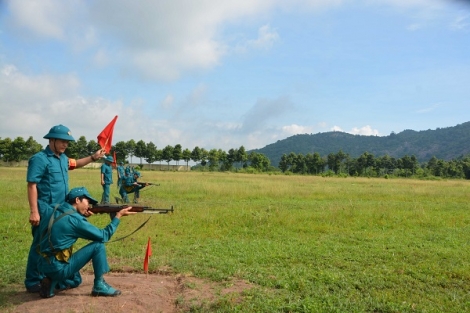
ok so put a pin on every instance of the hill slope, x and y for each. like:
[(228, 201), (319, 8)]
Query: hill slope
[(443, 143)]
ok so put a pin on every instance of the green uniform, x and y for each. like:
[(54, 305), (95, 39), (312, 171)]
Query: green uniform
[(57, 261), (50, 174), (107, 172)]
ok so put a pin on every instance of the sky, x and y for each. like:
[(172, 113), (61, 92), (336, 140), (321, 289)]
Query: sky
[(224, 74)]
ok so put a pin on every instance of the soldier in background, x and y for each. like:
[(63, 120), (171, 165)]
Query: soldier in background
[(131, 185), (106, 178)]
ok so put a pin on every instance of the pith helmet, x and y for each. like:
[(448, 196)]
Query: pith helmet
[(80, 192), (109, 159), (59, 132)]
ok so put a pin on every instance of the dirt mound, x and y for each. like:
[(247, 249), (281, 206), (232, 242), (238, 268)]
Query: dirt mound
[(140, 293)]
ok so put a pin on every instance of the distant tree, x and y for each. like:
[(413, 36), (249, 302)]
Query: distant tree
[(121, 151), (92, 147), (387, 164), (204, 156), (186, 155), (290, 160), (335, 161), (150, 152), (319, 162), (31, 147), (300, 165), (259, 161), (140, 150), (5, 147), (222, 158), (230, 158), (159, 156), (283, 164), (466, 166), (433, 166), (18, 149), (167, 154), (177, 153), (365, 162), (77, 149), (409, 164), (196, 154), (213, 159), (130, 148), (242, 156)]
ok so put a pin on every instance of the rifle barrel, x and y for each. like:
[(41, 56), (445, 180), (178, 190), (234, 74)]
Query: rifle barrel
[(113, 208)]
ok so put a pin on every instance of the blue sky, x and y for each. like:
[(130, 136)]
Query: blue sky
[(222, 74)]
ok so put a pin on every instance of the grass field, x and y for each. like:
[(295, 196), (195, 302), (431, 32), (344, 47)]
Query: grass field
[(308, 244)]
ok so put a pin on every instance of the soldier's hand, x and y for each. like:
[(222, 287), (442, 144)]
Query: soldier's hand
[(124, 212), (34, 219)]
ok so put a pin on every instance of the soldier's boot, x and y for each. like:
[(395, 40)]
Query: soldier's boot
[(101, 288), (47, 287)]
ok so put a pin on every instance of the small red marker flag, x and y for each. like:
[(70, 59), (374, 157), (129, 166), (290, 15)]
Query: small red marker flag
[(105, 138), (148, 253), (115, 160)]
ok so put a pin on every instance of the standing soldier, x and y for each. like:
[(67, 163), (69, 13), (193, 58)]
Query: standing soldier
[(120, 174), (106, 178), (48, 184)]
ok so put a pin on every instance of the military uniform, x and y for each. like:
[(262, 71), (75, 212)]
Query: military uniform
[(59, 232), (130, 186), (106, 178), (50, 174), (120, 174)]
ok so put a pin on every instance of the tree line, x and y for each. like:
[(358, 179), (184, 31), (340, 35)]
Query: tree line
[(370, 166), (340, 163), (214, 159)]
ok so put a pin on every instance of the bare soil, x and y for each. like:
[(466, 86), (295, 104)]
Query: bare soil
[(140, 293)]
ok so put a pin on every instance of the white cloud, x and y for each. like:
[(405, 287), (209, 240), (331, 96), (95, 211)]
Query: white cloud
[(101, 58), (428, 109), (154, 39), (295, 129), (267, 37), (365, 130), (336, 129), (461, 22), (167, 103), (43, 18), (163, 39), (32, 104), (264, 110), (415, 26)]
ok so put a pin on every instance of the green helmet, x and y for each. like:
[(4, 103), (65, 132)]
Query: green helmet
[(59, 132)]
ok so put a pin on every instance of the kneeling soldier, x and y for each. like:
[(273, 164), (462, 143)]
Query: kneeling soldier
[(61, 229)]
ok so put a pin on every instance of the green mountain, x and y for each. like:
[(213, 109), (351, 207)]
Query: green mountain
[(443, 143)]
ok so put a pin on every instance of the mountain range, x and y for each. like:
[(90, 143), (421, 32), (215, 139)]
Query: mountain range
[(443, 143)]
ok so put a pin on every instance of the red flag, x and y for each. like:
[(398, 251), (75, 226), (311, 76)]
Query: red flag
[(115, 160), (148, 253), (105, 138)]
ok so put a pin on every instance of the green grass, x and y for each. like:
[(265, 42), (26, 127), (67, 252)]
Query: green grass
[(307, 243)]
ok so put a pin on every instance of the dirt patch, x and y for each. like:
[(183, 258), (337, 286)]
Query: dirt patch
[(140, 293)]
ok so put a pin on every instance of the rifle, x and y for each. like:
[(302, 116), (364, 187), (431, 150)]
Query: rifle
[(113, 208), (148, 184)]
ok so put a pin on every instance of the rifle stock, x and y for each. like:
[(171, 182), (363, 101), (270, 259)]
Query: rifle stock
[(113, 208)]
